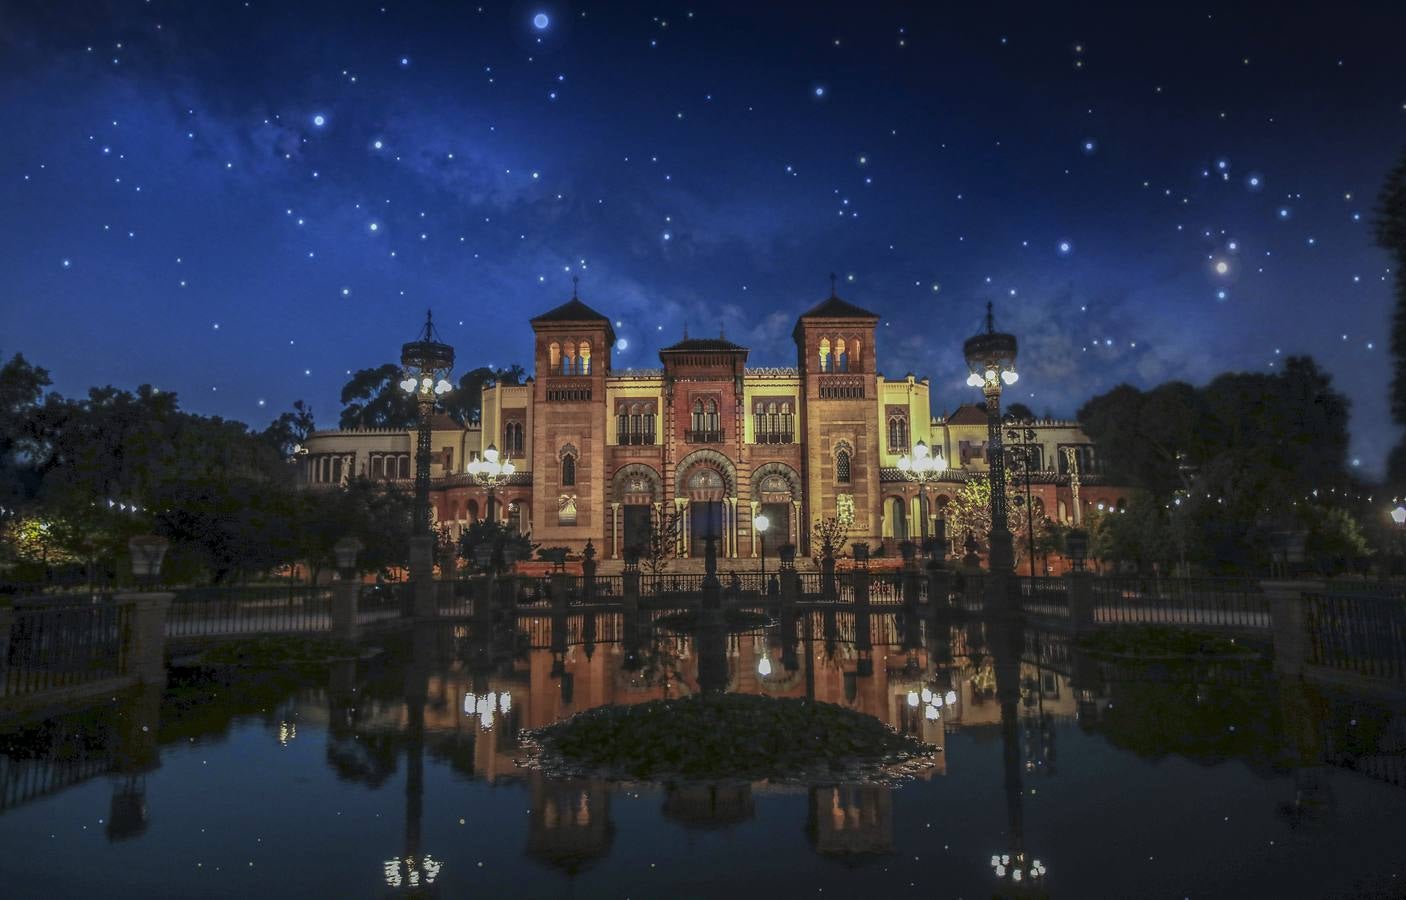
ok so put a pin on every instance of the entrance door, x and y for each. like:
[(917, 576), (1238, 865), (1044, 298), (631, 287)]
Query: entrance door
[(778, 530), (636, 528), (705, 519), (898, 515)]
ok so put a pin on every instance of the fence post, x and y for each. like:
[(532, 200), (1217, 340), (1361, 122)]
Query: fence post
[(1288, 614), (630, 587), (1081, 600), (146, 654), (345, 593), (560, 589), (588, 572), (859, 581)]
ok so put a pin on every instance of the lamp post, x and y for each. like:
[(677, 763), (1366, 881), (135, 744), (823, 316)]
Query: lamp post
[(991, 358), (1398, 518), (490, 472), (1023, 452), (922, 467), (147, 550), (427, 364), (762, 523)]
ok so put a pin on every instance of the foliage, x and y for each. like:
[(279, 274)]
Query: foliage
[(1232, 460), (372, 398), (1334, 539), (726, 736), (665, 526), (290, 430), (555, 555), (1391, 237), (970, 511), (21, 391), (498, 536), (279, 650), (828, 538)]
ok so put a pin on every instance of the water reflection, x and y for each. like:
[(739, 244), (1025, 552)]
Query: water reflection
[(457, 698)]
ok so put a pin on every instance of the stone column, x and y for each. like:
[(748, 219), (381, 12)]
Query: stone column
[(344, 614), (615, 531), (1288, 612), (146, 654), (753, 528), (422, 575), (681, 505)]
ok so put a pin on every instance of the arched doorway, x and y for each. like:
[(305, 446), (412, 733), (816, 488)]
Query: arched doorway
[(705, 489), (897, 511), (775, 489), (635, 489)]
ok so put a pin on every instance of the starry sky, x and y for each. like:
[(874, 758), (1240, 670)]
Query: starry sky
[(243, 201)]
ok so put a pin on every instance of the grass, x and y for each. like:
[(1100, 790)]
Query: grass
[(728, 736), (279, 650)]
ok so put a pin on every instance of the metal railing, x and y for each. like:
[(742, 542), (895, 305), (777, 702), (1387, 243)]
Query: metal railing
[(376, 602), (208, 611), (51, 647), (1044, 596), (1358, 633), (1210, 602)]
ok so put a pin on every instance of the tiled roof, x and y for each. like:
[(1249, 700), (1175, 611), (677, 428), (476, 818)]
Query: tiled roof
[(834, 307)]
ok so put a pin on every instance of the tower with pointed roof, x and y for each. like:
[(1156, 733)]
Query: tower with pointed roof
[(571, 357), (839, 418)]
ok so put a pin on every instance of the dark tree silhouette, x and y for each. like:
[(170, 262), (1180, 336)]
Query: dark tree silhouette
[(372, 398), (1391, 236)]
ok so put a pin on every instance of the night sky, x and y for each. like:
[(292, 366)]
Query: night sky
[(242, 202)]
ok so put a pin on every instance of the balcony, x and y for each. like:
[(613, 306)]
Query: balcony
[(704, 437), (635, 439), (775, 437)]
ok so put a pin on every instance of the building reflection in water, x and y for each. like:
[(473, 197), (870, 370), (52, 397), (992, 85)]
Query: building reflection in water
[(466, 693)]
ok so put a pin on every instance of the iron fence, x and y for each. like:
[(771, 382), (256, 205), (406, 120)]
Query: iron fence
[(58, 646), (1358, 633), (1044, 596), (209, 611), (377, 602), (1209, 602)]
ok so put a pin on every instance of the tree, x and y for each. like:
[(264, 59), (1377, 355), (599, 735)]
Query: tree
[(288, 432), (496, 537), (465, 403), (372, 398), (21, 391), (828, 538), (665, 526), (1391, 236), (970, 511), (1020, 412)]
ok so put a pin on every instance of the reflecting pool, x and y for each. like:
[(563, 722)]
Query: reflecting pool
[(1064, 771)]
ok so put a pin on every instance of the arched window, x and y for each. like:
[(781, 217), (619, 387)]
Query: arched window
[(898, 433), (841, 356), (854, 355), (773, 418), (788, 423), (622, 426), (647, 428), (842, 467), (568, 470), (554, 355), (568, 360), (759, 421), (697, 415), (824, 354), (712, 423), (583, 365)]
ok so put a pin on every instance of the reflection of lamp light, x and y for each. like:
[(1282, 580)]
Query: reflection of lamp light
[(951, 698), (1013, 866), (411, 872), (913, 699), (764, 666)]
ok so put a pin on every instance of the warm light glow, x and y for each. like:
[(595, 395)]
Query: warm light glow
[(913, 699), (1010, 376), (1398, 515), (762, 523), (764, 666), (973, 380), (951, 697), (408, 385)]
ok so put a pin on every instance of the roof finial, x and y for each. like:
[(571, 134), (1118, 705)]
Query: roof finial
[(722, 330), (832, 285), (429, 324), (990, 320), (685, 331), (575, 281)]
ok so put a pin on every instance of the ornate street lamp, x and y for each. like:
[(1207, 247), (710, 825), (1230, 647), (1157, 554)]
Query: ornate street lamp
[(491, 473), (1024, 452), (1013, 869), (922, 467), (427, 363), (991, 359), (762, 523)]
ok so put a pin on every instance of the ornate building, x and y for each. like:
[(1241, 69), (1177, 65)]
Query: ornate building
[(601, 452)]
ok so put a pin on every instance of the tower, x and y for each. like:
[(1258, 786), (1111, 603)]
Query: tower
[(571, 355), (840, 414)]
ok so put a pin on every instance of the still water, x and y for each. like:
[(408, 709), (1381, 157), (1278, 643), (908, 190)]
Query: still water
[(396, 775)]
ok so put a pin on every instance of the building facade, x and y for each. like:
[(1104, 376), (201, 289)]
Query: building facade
[(601, 454)]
